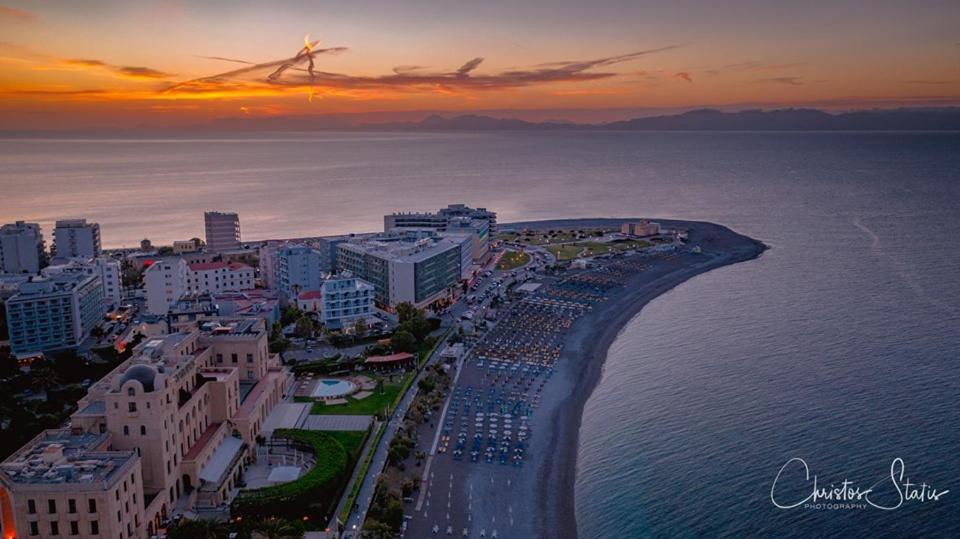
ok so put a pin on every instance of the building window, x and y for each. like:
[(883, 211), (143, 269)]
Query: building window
[(74, 527), (34, 529), (71, 505), (51, 506), (31, 507), (249, 358), (91, 505), (126, 430), (143, 430), (131, 407), (54, 528), (131, 392), (219, 358), (94, 527), (233, 358)]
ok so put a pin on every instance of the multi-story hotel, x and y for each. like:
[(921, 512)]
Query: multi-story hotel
[(222, 231), (415, 266), (169, 430), (21, 248), (438, 221), (298, 267), (166, 280), (108, 270), (340, 301), (76, 238), (56, 312)]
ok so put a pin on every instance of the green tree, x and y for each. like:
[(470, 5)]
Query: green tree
[(277, 529), (360, 327), (403, 341), (406, 311), (198, 529), (304, 328), (43, 376)]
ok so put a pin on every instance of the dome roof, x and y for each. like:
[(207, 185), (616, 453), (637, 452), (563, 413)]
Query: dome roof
[(141, 373)]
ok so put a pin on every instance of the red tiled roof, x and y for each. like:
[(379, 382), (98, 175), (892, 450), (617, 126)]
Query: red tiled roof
[(202, 266), (311, 294), (402, 356), (202, 441)]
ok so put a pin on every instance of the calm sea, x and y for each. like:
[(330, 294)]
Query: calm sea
[(839, 346)]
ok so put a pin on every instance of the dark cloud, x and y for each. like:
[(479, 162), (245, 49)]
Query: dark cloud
[(138, 72), (929, 81), (789, 81), (289, 72), (466, 68), (129, 72)]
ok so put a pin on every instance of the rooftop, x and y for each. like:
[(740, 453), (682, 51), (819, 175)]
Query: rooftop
[(408, 246), (206, 266), (62, 456)]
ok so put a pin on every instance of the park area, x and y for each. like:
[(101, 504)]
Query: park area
[(512, 260), (574, 243)]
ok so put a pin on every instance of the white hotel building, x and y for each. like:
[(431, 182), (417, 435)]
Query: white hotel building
[(168, 279)]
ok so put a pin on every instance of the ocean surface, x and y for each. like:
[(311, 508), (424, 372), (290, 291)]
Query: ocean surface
[(839, 346)]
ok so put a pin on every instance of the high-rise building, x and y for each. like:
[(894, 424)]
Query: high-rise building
[(298, 268), (56, 312), (222, 231), (416, 266), (21, 248), (76, 238)]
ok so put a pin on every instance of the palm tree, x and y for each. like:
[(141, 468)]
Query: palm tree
[(44, 377), (277, 529), (199, 529)]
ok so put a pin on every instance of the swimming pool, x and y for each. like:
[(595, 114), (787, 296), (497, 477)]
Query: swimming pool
[(332, 388)]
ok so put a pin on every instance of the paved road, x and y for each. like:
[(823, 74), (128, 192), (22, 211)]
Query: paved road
[(365, 497)]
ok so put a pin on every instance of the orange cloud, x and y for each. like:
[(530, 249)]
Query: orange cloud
[(20, 15)]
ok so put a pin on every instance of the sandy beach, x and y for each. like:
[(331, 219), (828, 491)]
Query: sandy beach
[(537, 499)]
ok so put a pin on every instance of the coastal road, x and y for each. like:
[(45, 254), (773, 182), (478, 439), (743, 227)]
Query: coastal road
[(355, 521)]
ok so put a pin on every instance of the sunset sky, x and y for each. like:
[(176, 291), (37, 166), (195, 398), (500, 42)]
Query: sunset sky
[(91, 63)]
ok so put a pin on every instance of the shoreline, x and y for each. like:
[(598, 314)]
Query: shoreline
[(584, 355)]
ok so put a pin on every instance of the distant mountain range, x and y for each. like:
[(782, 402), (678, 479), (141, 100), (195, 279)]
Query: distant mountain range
[(938, 119), (902, 119)]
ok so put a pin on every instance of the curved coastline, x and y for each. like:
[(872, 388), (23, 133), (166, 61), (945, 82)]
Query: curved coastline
[(585, 352)]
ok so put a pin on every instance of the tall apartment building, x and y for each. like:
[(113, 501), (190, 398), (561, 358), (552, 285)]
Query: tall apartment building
[(438, 221), (107, 269), (415, 266), (56, 312), (76, 238), (298, 268), (172, 427), (21, 248), (222, 231), (167, 280), (340, 301)]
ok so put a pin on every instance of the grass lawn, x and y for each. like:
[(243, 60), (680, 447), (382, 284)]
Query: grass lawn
[(543, 237), (372, 405), (565, 252), (512, 260), (593, 248)]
